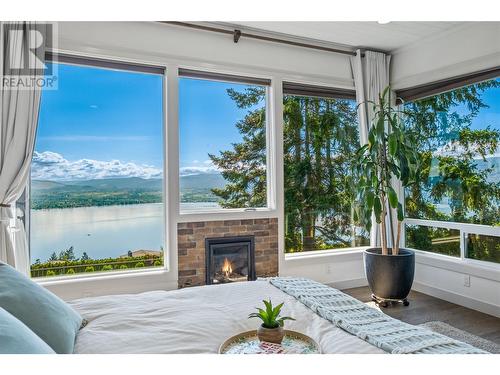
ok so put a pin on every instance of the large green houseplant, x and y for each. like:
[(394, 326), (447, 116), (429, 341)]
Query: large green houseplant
[(387, 160)]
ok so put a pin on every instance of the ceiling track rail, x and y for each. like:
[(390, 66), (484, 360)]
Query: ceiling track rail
[(237, 34)]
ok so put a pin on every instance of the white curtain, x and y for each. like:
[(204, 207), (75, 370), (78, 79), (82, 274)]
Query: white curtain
[(371, 77), (19, 117)]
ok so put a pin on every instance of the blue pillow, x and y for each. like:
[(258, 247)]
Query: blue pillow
[(16, 338), (48, 316)]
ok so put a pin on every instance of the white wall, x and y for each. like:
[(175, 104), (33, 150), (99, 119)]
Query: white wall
[(195, 48), (469, 284), (339, 268), (467, 48)]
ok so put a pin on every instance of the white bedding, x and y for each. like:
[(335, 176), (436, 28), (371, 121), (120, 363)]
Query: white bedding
[(196, 320)]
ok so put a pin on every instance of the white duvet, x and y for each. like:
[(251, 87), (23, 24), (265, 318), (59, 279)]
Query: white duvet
[(196, 320)]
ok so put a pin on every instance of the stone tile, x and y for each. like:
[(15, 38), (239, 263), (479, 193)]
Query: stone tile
[(261, 221), (186, 245), (222, 229), (182, 225), (187, 273), (232, 222)]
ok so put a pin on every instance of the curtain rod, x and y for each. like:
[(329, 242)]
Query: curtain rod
[(238, 33)]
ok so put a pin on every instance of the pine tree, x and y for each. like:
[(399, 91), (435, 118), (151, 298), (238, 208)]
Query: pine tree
[(53, 257), (320, 137), (244, 167), (451, 151)]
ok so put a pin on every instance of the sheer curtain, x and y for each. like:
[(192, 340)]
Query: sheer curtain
[(19, 117), (371, 77)]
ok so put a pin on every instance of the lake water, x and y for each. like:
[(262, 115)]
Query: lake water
[(106, 231)]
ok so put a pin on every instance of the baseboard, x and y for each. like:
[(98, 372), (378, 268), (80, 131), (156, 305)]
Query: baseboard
[(347, 284), (458, 299)]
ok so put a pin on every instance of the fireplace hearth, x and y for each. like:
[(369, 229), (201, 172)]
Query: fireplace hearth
[(230, 259)]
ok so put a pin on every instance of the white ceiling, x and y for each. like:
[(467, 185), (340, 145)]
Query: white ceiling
[(387, 37)]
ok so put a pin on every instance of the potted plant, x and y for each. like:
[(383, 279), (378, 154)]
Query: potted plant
[(389, 157), (271, 329)]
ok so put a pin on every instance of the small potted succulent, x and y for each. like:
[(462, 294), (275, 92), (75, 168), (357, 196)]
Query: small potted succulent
[(271, 329)]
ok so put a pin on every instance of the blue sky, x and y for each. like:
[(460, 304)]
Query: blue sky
[(489, 116), (109, 123), (207, 118), (101, 114)]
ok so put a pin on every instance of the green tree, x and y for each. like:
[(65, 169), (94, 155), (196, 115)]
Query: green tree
[(67, 254), (85, 256), (53, 257), (244, 167), (320, 139), (454, 157)]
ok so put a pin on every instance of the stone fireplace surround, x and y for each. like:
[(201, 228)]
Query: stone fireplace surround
[(191, 246)]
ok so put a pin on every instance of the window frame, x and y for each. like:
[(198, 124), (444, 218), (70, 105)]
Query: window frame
[(118, 64), (464, 228), (424, 91), (323, 91), (167, 277), (234, 213)]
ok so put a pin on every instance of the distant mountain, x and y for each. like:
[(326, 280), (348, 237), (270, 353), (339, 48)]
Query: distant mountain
[(41, 185), (196, 182), (117, 184), (202, 181), (111, 191)]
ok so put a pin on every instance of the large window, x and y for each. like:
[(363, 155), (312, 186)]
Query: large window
[(320, 139), (96, 178), (458, 134), (223, 142)]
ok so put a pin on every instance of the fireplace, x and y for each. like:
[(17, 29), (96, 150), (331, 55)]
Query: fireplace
[(230, 259)]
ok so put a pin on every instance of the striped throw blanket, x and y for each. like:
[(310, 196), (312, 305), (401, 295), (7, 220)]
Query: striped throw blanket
[(369, 324)]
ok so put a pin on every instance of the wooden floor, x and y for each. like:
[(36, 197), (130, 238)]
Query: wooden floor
[(424, 308)]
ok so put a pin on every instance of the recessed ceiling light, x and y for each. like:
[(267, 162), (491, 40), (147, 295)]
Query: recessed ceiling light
[(383, 22)]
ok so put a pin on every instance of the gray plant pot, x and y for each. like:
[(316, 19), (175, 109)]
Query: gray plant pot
[(390, 277)]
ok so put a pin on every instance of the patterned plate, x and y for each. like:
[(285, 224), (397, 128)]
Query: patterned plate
[(248, 343)]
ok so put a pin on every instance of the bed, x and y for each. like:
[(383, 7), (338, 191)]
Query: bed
[(196, 320)]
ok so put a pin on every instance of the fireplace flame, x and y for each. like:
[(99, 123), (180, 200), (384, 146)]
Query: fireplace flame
[(227, 268)]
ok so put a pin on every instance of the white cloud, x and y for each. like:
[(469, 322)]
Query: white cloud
[(454, 148), (50, 165), (197, 167), (188, 171)]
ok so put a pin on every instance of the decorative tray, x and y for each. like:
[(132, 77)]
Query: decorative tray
[(248, 343)]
